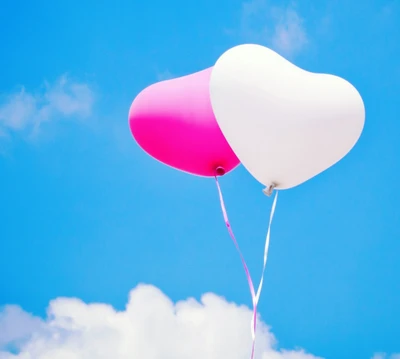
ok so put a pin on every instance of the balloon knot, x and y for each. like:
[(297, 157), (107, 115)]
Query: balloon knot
[(220, 171), (268, 190)]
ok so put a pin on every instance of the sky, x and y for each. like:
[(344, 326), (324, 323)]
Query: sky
[(107, 253)]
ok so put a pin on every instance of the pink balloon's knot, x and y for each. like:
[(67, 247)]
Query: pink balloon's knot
[(220, 171)]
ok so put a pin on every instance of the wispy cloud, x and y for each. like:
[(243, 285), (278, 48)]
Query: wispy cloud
[(165, 75), (389, 15), (385, 356), (281, 28), (26, 111), (289, 36), (150, 327), (390, 8)]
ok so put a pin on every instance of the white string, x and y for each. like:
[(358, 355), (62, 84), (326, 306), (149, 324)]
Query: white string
[(266, 248)]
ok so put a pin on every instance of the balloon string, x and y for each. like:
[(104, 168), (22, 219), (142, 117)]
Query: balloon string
[(266, 248), (254, 296)]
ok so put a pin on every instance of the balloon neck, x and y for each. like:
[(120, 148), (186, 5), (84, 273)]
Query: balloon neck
[(219, 171), (269, 189)]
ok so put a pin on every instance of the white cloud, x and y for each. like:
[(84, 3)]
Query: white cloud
[(26, 111), (289, 36), (18, 111), (150, 327), (281, 28), (385, 356), (389, 9), (15, 324), (165, 75)]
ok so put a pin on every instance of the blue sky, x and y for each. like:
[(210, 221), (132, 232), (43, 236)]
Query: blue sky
[(86, 214)]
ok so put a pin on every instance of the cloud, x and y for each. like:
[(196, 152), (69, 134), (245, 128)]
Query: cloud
[(15, 325), (389, 9), (388, 17), (23, 110), (150, 327), (289, 36), (165, 75), (280, 28), (385, 356)]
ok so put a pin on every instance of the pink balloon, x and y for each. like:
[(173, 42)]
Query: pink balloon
[(173, 122)]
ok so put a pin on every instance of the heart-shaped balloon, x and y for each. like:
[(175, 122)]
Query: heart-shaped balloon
[(173, 121), (285, 124)]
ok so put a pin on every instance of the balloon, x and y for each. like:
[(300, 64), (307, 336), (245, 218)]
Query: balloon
[(285, 124), (173, 122)]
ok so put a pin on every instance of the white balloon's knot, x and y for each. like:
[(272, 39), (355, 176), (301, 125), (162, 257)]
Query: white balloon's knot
[(268, 190)]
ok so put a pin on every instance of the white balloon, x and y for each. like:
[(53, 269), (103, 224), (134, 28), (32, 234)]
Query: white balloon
[(285, 124)]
